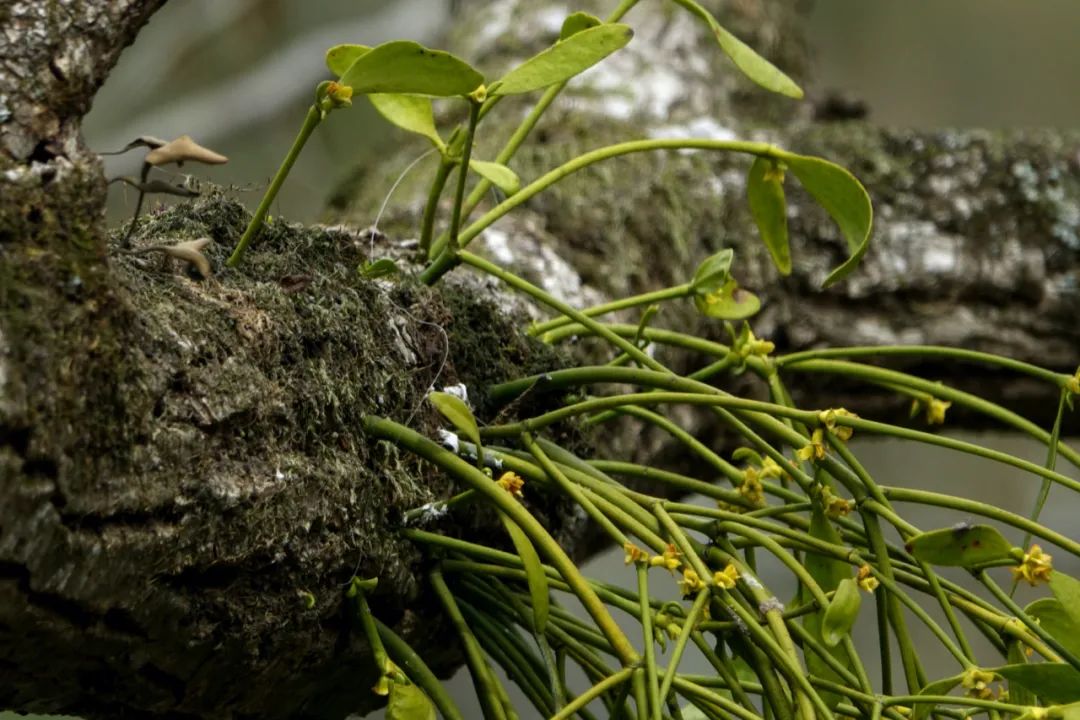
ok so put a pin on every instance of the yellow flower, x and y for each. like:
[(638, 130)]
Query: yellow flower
[(668, 559), (1073, 383), (751, 488), (866, 580), (934, 408), (813, 450), (726, 578), (835, 507), (769, 469), (511, 483), (977, 683), (828, 418), (1035, 567), (690, 582), (750, 345), (634, 554), (340, 95)]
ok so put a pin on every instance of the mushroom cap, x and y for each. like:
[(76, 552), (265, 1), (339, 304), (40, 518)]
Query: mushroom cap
[(181, 150), (190, 252)]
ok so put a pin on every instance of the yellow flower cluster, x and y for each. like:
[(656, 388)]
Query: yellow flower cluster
[(1035, 568), (976, 682), (749, 345), (511, 483), (1073, 383), (828, 419), (727, 577), (866, 579), (668, 559), (813, 450), (934, 409), (340, 95), (835, 507), (751, 487), (691, 582)]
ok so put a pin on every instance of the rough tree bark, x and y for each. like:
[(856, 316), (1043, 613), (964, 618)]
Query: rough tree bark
[(181, 461)]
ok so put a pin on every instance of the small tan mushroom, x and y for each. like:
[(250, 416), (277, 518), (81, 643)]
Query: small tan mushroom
[(190, 251), (181, 150)]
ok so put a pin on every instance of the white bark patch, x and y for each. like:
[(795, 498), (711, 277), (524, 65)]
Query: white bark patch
[(498, 245)]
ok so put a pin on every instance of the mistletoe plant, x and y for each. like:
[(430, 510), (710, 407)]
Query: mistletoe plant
[(794, 490)]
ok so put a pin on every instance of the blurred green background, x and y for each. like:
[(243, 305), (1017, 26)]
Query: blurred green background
[(238, 74)]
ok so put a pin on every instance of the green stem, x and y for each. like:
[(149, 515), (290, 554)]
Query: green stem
[(931, 577), (928, 351), (418, 672), (671, 293), (974, 507), (522, 131), (574, 491), (887, 377), (445, 261), (554, 303), (413, 441), (463, 176), (367, 621), (594, 692), (481, 675), (1031, 623), (652, 691), (314, 117), (1051, 464), (631, 400), (432, 206), (684, 635)]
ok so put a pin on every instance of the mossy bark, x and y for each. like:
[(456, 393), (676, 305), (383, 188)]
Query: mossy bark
[(182, 465)]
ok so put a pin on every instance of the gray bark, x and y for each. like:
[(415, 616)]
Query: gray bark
[(181, 461)]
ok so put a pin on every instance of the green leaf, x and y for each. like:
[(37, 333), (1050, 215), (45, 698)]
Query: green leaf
[(534, 574), (408, 112), (713, 273), (1067, 590), (1056, 620), (765, 192), (402, 66), (938, 687), (499, 175), (828, 573), (730, 302), (1053, 682), (747, 454), (842, 612), (843, 197), (458, 413), (576, 22), (692, 712), (960, 546), (380, 268), (408, 702), (564, 59), (1018, 694), (340, 57), (1070, 711), (755, 67)]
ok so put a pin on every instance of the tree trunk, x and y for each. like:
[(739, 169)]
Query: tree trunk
[(181, 464)]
